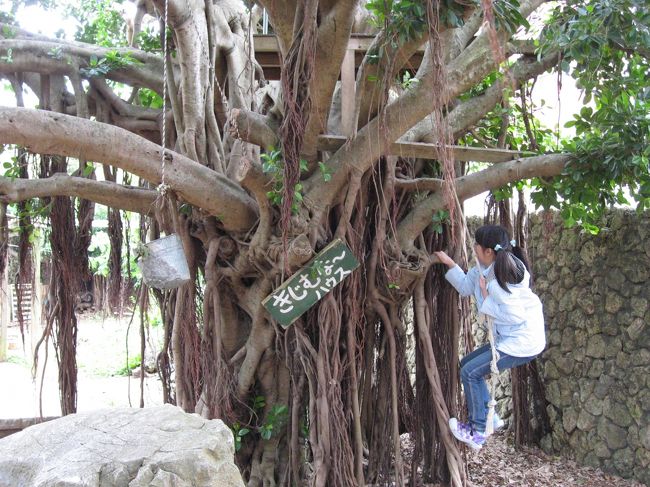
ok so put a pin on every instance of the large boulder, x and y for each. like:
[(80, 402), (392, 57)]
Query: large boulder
[(161, 446)]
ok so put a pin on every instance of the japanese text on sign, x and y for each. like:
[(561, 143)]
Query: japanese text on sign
[(308, 286)]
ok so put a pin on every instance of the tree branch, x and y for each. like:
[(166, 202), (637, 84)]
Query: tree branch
[(422, 184), (106, 193), (51, 133), (373, 140), (493, 177), (332, 42), (254, 127), (50, 56)]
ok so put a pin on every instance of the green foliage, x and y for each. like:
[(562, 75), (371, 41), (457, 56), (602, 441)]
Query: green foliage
[(488, 129), (88, 169), (276, 419), (438, 220), (112, 60), (507, 16), (606, 46), (8, 32), (408, 81), (316, 269), (56, 53), (12, 168), (148, 40), (100, 22), (7, 58), (100, 247), (132, 363), (238, 433), (149, 98), (325, 171), (273, 164), (406, 20), (259, 402)]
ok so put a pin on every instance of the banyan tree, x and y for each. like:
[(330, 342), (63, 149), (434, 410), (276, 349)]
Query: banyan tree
[(370, 145)]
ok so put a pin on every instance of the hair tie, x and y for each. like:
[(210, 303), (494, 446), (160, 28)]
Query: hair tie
[(513, 242), (497, 247)]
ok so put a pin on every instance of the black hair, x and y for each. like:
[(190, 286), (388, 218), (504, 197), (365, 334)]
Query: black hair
[(510, 264)]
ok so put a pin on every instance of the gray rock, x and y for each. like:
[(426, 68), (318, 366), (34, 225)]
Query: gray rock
[(601, 450), (641, 357), (591, 460), (639, 307), (589, 252), (596, 347), (643, 457), (586, 388), (613, 303), (568, 340), (644, 435), (617, 412), (633, 439), (623, 461), (565, 365), (614, 345), (594, 406), (569, 420), (603, 386), (596, 369), (644, 399), (550, 371), (615, 279), (586, 422), (614, 436), (161, 446), (635, 330), (637, 274)]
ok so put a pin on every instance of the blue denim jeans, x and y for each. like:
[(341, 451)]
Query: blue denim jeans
[(473, 369)]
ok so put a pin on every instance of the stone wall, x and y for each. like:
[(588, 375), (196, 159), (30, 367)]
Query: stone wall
[(595, 290)]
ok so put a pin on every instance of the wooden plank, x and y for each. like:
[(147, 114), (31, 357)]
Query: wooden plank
[(5, 304), (348, 85), (265, 43), (357, 42), (423, 150), (311, 283)]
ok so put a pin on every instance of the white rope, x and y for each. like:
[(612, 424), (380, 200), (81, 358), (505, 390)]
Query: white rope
[(494, 376), (164, 187), (488, 322)]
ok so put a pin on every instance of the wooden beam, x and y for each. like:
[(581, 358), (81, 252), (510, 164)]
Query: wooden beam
[(267, 53), (357, 42), (423, 150), (348, 86)]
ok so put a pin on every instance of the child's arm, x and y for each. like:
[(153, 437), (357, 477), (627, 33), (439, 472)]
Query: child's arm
[(463, 283)]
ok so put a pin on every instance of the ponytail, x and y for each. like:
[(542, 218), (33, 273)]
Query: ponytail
[(510, 264)]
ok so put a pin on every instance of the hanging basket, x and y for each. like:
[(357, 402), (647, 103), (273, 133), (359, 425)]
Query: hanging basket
[(163, 264)]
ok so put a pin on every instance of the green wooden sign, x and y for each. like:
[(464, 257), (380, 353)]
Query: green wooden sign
[(308, 286)]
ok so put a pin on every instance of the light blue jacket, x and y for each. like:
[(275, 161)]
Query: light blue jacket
[(518, 315)]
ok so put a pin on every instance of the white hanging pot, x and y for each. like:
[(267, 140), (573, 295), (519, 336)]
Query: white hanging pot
[(163, 264)]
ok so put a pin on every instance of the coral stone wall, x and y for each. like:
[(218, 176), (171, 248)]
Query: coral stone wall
[(595, 290)]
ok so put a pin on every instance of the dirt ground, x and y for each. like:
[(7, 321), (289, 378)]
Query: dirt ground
[(500, 464), (101, 353)]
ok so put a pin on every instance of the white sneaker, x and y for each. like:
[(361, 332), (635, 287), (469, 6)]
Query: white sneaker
[(497, 423), (465, 433)]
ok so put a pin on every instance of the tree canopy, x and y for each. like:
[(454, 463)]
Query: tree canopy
[(373, 144)]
